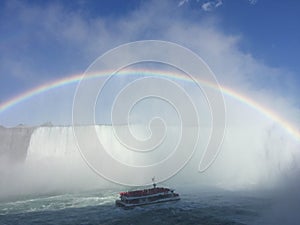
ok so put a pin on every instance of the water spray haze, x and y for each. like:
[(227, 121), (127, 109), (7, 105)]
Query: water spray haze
[(145, 88)]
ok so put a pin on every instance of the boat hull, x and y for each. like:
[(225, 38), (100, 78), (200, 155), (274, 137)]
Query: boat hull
[(120, 203)]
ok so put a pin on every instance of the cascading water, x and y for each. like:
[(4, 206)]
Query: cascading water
[(14, 142), (52, 142), (54, 162)]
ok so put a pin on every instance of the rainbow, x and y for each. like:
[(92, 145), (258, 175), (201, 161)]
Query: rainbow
[(73, 79)]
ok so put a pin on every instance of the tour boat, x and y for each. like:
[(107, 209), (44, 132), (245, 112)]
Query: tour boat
[(153, 195)]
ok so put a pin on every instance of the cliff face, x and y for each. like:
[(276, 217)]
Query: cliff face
[(14, 142)]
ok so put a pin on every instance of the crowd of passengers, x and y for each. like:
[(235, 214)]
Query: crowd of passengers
[(144, 192)]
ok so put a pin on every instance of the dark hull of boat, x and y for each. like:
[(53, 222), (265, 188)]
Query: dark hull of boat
[(124, 205)]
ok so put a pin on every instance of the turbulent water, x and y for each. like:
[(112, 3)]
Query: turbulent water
[(97, 207)]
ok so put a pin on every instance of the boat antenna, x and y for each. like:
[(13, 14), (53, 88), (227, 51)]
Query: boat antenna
[(153, 180)]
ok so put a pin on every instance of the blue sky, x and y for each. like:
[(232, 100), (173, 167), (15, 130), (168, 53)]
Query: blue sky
[(270, 30), (251, 45)]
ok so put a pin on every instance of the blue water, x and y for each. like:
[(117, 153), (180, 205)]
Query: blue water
[(97, 207)]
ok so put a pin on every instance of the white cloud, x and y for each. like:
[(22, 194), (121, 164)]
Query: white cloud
[(182, 2), (253, 2), (207, 6), (218, 3), (210, 5)]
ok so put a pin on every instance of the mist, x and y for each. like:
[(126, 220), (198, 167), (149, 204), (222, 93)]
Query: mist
[(259, 158)]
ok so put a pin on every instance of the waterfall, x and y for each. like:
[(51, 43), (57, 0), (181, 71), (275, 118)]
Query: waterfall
[(49, 158), (14, 142), (52, 142)]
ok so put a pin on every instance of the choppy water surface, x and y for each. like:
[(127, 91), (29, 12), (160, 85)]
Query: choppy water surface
[(98, 207)]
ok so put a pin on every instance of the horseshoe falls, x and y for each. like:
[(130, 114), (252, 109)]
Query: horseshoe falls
[(45, 180)]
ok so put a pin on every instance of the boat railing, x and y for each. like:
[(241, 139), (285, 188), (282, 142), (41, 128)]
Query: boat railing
[(144, 192)]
